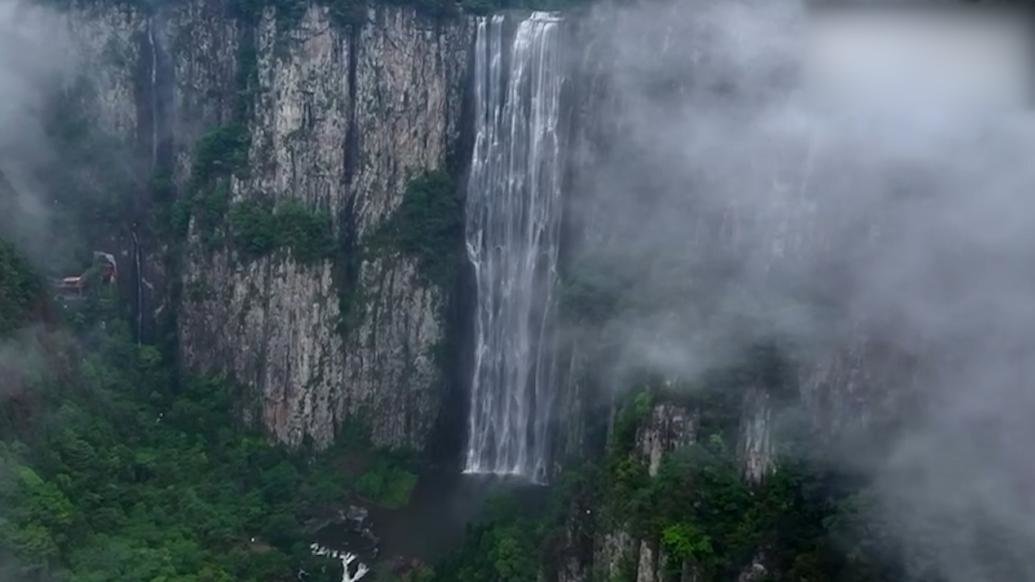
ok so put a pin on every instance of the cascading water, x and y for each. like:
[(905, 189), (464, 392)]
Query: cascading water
[(513, 235), (154, 95)]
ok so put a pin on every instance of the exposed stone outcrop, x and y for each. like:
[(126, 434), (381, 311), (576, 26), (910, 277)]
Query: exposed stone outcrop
[(755, 445), (756, 571), (343, 119), (340, 118), (649, 568), (105, 40), (614, 548), (669, 427), (851, 388), (270, 323), (410, 79)]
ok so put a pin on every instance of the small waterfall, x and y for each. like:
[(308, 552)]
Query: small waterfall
[(348, 574), (154, 94), (140, 287), (513, 235)]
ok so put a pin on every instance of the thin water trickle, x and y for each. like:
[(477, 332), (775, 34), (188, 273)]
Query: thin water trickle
[(154, 95), (513, 235)]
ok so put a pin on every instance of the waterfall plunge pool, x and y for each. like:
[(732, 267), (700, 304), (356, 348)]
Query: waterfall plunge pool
[(443, 503)]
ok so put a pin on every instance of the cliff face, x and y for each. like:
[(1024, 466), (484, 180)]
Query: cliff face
[(339, 117), (666, 428), (343, 118), (411, 76)]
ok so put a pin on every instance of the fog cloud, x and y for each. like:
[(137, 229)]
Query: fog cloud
[(34, 59), (836, 179)]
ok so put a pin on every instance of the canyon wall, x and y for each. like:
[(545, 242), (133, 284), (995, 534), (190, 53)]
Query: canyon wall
[(339, 116)]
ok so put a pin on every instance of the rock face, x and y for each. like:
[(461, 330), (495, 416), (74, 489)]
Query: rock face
[(339, 117), (669, 428), (343, 119), (106, 41), (755, 446), (666, 428), (410, 77)]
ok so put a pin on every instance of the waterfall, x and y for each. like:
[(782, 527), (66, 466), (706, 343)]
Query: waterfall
[(140, 288), (348, 573), (154, 94), (513, 235)]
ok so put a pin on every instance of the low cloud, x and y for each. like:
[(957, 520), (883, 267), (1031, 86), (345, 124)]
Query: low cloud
[(761, 184)]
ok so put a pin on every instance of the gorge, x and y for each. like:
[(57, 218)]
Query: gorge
[(635, 266)]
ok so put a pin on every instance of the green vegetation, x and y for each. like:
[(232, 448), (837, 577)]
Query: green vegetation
[(127, 479), (701, 511), (428, 225), (219, 154), (387, 483), (256, 227), (114, 468), (19, 289), (515, 540), (208, 206), (507, 545), (811, 524), (259, 228), (591, 291)]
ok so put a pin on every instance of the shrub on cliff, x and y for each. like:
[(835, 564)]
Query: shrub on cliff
[(428, 225), (259, 227)]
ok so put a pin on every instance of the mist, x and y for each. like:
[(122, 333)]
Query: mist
[(35, 62), (852, 184)]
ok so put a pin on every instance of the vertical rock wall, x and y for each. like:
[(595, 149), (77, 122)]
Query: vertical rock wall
[(755, 446), (340, 118), (343, 118), (410, 75), (666, 428)]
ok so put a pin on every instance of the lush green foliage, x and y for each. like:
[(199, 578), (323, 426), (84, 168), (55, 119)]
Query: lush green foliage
[(112, 468), (127, 479), (256, 227), (259, 227), (702, 512), (428, 225), (506, 546), (220, 153), (387, 483), (19, 291), (208, 205)]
